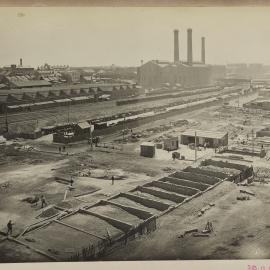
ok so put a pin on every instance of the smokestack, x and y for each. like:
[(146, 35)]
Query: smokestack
[(21, 62), (176, 46), (189, 46), (203, 50)]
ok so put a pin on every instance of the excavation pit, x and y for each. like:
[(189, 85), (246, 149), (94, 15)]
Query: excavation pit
[(200, 178), (52, 239), (12, 252), (116, 213), (131, 203), (92, 225), (150, 196), (185, 182), (170, 193)]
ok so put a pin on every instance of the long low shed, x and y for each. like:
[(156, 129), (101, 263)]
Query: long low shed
[(211, 138)]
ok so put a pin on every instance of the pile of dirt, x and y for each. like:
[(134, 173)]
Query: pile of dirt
[(31, 200), (5, 186), (262, 173), (49, 212), (103, 174), (65, 205)]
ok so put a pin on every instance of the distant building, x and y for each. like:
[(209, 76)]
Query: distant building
[(71, 76), (187, 74), (14, 70)]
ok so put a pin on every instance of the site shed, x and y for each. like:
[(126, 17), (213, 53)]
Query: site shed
[(210, 138), (171, 144), (148, 149)]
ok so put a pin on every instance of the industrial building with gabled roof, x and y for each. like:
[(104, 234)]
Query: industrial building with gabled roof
[(156, 73)]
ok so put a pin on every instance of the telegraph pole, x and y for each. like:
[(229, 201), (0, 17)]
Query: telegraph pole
[(195, 146), (68, 112), (124, 129), (6, 117), (91, 137), (252, 132)]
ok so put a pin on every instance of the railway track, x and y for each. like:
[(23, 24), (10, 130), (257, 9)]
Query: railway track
[(54, 113)]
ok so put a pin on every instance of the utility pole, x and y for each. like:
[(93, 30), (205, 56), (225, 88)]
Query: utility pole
[(68, 112), (252, 132), (6, 117), (195, 146), (91, 137), (124, 129)]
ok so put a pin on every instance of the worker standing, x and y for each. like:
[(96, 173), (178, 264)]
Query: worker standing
[(9, 227), (112, 180), (71, 181), (43, 201)]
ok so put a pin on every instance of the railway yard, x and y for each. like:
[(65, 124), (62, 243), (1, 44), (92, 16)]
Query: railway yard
[(108, 202)]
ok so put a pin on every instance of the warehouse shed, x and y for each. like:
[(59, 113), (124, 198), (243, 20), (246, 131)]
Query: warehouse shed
[(211, 138)]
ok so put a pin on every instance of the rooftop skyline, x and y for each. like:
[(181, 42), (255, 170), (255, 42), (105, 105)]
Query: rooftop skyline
[(125, 36)]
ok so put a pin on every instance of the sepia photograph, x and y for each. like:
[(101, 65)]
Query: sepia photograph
[(134, 134)]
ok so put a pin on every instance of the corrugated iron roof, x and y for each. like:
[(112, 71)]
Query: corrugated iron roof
[(205, 134), (84, 125)]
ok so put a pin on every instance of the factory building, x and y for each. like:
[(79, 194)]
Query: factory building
[(156, 73)]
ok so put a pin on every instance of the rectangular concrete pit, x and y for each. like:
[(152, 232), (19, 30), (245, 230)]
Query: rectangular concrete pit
[(152, 197), (160, 205), (195, 177), (132, 203), (54, 237), (92, 224), (12, 252), (223, 164), (172, 195), (244, 171), (185, 182), (142, 214), (162, 194), (200, 170), (116, 213), (182, 190), (227, 171)]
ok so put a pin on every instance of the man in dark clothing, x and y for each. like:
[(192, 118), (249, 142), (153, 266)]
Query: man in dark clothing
[(43, 201), (9, 228), (112, 180), (71, 182)]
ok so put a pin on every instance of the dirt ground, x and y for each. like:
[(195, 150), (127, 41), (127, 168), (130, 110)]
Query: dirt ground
[(241, 229)]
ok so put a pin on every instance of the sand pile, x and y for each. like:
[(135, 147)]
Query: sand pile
[(49, 212)]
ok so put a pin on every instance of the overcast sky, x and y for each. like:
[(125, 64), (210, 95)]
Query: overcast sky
[(124, 36)]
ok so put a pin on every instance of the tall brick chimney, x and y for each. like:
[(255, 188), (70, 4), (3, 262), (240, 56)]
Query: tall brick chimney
[(21, 62), (176, 46), (203, 50), (189, 46)]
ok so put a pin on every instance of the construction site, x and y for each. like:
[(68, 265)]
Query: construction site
[(151, 173), (152, 183)]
